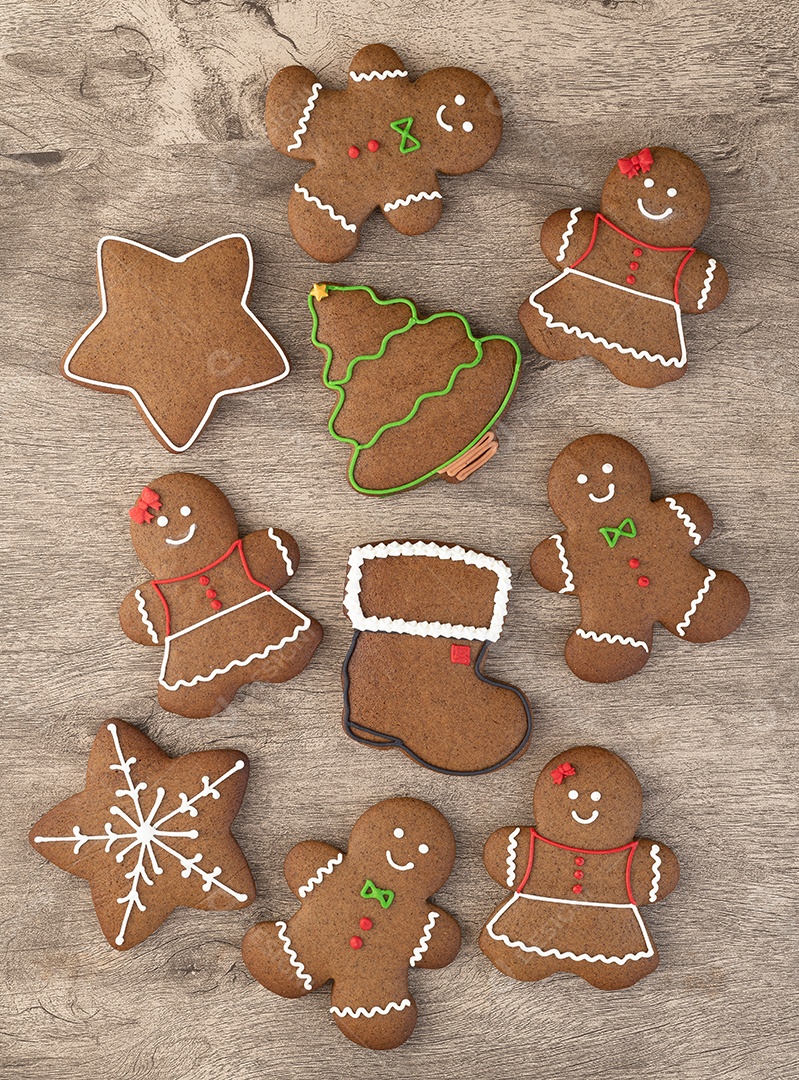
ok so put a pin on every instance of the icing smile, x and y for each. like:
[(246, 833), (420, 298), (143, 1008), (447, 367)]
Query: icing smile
[(605, 498), (585, 820), (407, 866), (184, 539), (442, 122), (467, 125), (653, 217)]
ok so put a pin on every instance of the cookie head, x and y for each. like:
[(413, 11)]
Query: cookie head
[(404, 844), (588, 798), (181, 522), (596, 479), (658, 195), (458, 118)]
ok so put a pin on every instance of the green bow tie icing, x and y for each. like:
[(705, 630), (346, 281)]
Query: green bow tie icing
[(370, 891), (627, 528), (409, 142)]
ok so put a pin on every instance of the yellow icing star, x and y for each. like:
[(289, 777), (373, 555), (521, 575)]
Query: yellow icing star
[(319, 291)]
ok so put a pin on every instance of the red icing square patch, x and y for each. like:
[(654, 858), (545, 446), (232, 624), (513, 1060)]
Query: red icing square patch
[(460, 654)]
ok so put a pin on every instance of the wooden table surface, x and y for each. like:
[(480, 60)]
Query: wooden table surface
[(145, 119)]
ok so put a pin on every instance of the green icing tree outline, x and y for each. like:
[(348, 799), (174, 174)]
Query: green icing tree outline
[(339, 384)]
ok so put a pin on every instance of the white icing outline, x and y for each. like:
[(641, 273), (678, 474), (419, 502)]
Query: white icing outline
[(144, 616), (510, 862), (369, 1013), (354, 611), (367, 76), (407, 866), (284, 551), (131, 390), (429, 195), (299, 968), (348, 225), (302, 127), (427, 933), (605, 498), (639, 354), (615, 639), (684, 623), (441, 122), (711, 266), (567, 233), (564, 562), (656, 862), (585, 820), (682, 514), (186, 538), (654, 217), (322, 872)]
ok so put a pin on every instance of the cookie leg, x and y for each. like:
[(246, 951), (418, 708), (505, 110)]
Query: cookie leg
[(632, 371), (381, 1025), (616, 976), (272, 958), (602, 657), (325, 219), (416, 213), (549, 341), (204, 698), (718, 607), (291, 659), (517, 964)]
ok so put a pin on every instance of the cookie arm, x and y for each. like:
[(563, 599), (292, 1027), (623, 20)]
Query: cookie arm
[(272, 556), (439, 943), (693, 514), (291, 101), (308, 864), (703, 284), (654, 872), (549, 564), (142, 616), (565, 235), (506, 854)]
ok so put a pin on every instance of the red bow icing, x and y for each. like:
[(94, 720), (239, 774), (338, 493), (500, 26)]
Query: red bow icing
[(148, 500), (559, 775), (640, 162)]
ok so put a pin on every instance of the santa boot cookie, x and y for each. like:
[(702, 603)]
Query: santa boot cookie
[(579, 877), (364, 920), (629, 272), (629, 561), (213, 603), (424, 616)]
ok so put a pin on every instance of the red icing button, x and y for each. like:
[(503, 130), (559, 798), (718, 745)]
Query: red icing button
[(643, 582), (633, 265), (460, 654), (373, 145), (577, 888), (353, 151), (365, 924), (356, 942), (205, 580), (579, 860), (210, 593), (635, 563), (216, 604), (631, 279), (637, 252), (578, 874)]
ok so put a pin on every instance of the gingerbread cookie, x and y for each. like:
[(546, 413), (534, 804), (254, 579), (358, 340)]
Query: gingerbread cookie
[(417, 398), (579, 877), (151, 833), (213, 603), (424, 616), (629, 272), (629, 560), (379, 144), (176, 335), (365, 920)]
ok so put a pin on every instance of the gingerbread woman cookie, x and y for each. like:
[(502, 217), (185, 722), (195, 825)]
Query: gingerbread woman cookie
[(379, 144), (579, 877), (629, 272), (151, 833), (365, 920), (213, 603), (629, 560), (417, 398)]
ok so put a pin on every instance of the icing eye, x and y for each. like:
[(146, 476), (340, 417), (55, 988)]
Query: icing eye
[(185, 511), (596, 796), (574, 794), (671, 192), (423, 849), (162, 521), (582, 478), (649, 182), (468, 126), (399, 833), (460, 99), (606, 468)]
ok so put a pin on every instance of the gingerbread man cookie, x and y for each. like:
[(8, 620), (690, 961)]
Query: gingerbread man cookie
[(579, 877), (151, 833), (629, 561), (379, 144), (629, 272), (365, 920), (213, 603)]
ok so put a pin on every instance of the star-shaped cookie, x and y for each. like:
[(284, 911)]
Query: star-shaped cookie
[(151, 833), (175, 334)]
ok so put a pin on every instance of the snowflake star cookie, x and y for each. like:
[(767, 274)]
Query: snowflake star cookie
[(151, 833), (629, 560), (212, 603), (365, 920), (629, 272), (175, 334), (579, 877), (378, 145)]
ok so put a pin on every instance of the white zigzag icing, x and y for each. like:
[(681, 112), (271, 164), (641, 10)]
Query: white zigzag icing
[(421, 948), (564, 562), (429, 195), (320, 873), (367, 76), (511, 859), (302, 127), (145, 617), (348, 225), (568, 231), (302, 974), (711, 266), (369, 1013), (284, 551), (616, 638), (685, 519), (656, 861), (700, 596)]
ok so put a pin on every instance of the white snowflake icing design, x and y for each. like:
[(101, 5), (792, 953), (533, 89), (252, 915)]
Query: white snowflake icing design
[(148, 834)]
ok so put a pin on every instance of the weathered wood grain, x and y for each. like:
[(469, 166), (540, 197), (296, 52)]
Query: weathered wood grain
[(144, 118)]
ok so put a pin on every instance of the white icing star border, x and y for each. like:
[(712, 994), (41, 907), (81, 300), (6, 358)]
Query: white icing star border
[(131, 390)]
